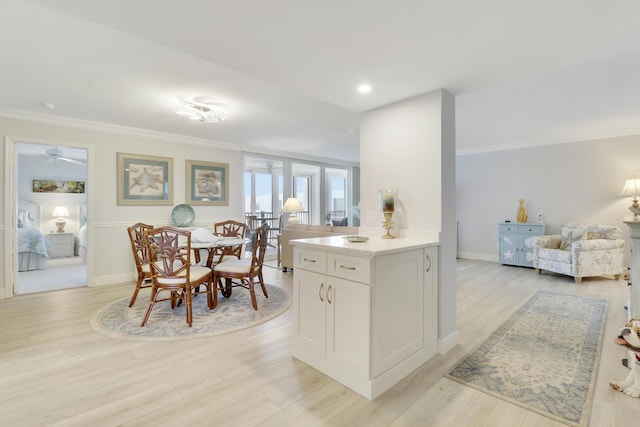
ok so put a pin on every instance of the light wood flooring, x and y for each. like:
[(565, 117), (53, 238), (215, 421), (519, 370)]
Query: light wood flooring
[(55, 371)]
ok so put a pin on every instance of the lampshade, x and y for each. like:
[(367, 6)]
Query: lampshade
[(631, 189), (60, 211), (292, 205)]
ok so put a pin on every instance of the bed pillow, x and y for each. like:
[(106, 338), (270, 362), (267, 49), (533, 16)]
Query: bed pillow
[(570, 235), (24, 218)]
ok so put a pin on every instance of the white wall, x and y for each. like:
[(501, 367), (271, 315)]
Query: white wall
[(110, 259), (410, 145), (572, 182)]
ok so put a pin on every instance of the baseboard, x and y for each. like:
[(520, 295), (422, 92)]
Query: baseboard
[(478, 256), (110, 280), (448, 342)]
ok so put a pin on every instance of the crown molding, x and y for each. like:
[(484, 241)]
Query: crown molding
[(110, 128), (593, 136)]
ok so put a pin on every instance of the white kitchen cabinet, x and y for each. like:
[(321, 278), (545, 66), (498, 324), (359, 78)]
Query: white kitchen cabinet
[(365, 315), (333, 318)]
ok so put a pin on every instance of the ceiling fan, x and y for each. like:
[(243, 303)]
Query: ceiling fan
[(57, 154)]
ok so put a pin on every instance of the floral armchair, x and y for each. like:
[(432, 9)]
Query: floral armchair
[(581, 251)]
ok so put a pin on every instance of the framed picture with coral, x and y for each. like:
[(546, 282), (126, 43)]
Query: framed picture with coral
[(207, 183), (144, 180)]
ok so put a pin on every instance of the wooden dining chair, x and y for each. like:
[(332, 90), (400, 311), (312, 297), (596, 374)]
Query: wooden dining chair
[(172, 272), (139, 249), (230, 228), (244, 271)]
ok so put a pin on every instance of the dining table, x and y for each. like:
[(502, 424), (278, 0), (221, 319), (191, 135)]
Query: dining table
[(210, 247)]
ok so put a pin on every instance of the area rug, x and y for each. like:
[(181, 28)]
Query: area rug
[(544, 358), (117, 320)]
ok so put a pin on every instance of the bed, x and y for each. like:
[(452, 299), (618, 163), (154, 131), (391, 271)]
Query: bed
[(33, 245), (82, 233)]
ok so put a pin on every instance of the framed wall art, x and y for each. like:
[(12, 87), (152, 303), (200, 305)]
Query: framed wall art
[(207, 183), (49, 186), (144, 180)]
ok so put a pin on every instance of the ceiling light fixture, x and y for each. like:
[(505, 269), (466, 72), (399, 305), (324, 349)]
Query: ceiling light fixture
[(364, 88), (202, 110)]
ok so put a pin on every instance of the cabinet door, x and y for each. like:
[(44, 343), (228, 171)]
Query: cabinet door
[(398, 319), (525, 256), (348, 330), (310, 296), (509, 248)]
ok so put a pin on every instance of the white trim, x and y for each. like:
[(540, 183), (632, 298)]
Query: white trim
[(10, 203), (110, 128), (578, 138), (478, 256), (126, 130), (447, 343)]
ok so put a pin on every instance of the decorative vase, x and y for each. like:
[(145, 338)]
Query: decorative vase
[(388, 206), (522, 216)]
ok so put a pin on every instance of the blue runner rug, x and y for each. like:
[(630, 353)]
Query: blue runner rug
[(544, 358)]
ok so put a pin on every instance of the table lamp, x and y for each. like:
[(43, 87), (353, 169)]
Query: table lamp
[(631, 189), (292, 205), (61, 212)]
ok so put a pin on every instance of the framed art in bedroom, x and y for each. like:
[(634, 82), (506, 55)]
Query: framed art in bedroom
[(144, 180), (207, 183)]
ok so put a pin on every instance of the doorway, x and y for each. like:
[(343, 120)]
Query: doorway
[(50, 245)]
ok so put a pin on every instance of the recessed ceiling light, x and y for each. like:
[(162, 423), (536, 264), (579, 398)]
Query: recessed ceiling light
[(364, 88)]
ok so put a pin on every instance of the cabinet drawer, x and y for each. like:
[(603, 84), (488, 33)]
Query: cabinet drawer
[(349, 267), (310, 260), (531, 230), (508, 229)]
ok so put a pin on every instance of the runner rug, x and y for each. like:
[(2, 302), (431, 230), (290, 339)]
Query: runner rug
[(544, 358), (117, 320)]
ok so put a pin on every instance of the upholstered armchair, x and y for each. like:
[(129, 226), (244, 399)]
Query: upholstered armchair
[(581, 251)]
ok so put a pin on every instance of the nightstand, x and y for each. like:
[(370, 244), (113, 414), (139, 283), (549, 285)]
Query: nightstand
[(61, 244)]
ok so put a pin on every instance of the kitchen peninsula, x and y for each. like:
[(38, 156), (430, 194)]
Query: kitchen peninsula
[(365, 313)]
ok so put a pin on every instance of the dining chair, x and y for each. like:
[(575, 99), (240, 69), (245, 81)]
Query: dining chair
[(230, 228), (245, 270), (139, 249), (171, 270)]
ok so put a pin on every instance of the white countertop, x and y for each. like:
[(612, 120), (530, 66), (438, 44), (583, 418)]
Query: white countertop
[(374, 246)]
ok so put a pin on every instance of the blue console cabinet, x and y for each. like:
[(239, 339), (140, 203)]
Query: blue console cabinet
[(513, 245)]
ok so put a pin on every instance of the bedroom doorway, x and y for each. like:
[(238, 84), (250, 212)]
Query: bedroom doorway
[(51, 204)]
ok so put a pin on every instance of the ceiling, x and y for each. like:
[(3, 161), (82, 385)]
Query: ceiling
[(287, 70)]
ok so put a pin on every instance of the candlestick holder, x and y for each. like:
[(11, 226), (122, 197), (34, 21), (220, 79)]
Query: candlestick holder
[(387, 224)]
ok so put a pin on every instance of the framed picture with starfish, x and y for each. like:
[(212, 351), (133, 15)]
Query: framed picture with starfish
[(144, 180), (207, 183)]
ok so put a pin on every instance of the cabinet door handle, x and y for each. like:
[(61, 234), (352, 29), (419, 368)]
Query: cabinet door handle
[(428, 259), (329, 295), (320, 292), (344, 267), (308, 260)]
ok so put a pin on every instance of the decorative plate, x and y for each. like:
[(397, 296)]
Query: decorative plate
[(183, 215), (356, 239)]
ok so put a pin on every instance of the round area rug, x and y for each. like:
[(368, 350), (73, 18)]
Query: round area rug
[(117, 320)]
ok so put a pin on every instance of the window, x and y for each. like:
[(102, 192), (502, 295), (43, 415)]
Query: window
[(323, 190)]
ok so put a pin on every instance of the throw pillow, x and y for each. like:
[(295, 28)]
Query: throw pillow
[(570, 235)]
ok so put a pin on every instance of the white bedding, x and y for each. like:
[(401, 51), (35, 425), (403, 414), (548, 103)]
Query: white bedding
[(33, 249), (33, 245)]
